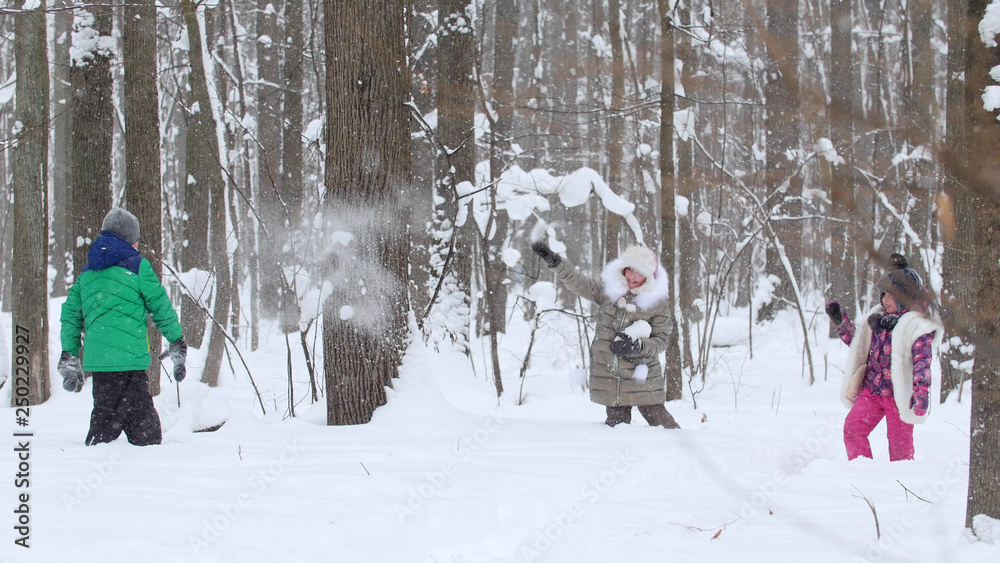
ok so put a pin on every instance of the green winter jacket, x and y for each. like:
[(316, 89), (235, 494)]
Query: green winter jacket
[(109, 303)]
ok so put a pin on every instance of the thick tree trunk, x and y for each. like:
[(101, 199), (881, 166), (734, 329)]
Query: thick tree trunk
[(958, 218), (982, 176), (30, 330), (367, 183), (92, 130), (142, 144)]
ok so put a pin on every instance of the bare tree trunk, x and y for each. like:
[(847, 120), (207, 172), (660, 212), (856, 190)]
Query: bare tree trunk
[(30, 330), (840, 261), (495, 298), (142, 144), (456, 156), (668, 195), (204, 167), (269, 202), (688, 261), (93, 125), (918, 103), (616, 129), (291, 152), (781, 91), (958, 226), (61, 105), (981, 175), (367, 180)]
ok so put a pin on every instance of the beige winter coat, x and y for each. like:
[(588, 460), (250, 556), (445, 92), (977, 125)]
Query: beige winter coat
[(611, 376)]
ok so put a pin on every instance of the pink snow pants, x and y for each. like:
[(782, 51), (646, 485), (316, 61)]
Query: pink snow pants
[(865, 415)]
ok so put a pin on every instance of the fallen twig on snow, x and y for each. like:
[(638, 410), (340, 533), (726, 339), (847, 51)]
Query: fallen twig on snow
[(871, 505)]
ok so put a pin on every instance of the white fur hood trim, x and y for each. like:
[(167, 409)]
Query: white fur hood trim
[(649, 294)]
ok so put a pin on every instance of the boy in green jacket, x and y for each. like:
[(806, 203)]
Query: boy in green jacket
[(109, 302)]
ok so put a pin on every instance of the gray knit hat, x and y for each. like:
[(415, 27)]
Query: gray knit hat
[(122, 223)]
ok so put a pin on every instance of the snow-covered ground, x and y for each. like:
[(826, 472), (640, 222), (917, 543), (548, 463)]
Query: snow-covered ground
[(446, 473)]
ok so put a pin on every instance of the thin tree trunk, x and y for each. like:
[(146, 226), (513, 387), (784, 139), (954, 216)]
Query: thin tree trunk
[(840, 261), (204, 168), (63, 211), (269, 202), (781, 91), (668, 195), (616, 129), (688, 261)]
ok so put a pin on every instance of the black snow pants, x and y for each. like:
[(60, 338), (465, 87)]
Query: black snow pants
[(122, 403)]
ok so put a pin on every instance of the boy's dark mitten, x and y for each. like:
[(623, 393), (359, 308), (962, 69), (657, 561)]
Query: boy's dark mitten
[(835, 313), (178, 355), (69, 367), (625, 345), (542, 250)]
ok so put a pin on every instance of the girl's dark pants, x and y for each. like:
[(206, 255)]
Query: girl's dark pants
[(655, 415), (122, 403)]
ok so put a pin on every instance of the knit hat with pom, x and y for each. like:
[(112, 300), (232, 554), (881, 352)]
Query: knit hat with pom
[(902, 282)]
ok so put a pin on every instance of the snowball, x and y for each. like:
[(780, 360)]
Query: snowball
[(578, 377), (538, 231), (641, 373), (346, 312), (543, 294), (638, 329)]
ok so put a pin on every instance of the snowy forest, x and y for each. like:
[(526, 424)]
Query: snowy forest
[(338, 193)]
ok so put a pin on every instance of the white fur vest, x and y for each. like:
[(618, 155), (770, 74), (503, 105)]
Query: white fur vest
[(911, 326)]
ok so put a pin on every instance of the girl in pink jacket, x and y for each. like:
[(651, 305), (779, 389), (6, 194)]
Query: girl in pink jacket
[(888, 371)]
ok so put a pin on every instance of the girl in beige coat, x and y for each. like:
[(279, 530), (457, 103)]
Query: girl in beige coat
[(633, 323)]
